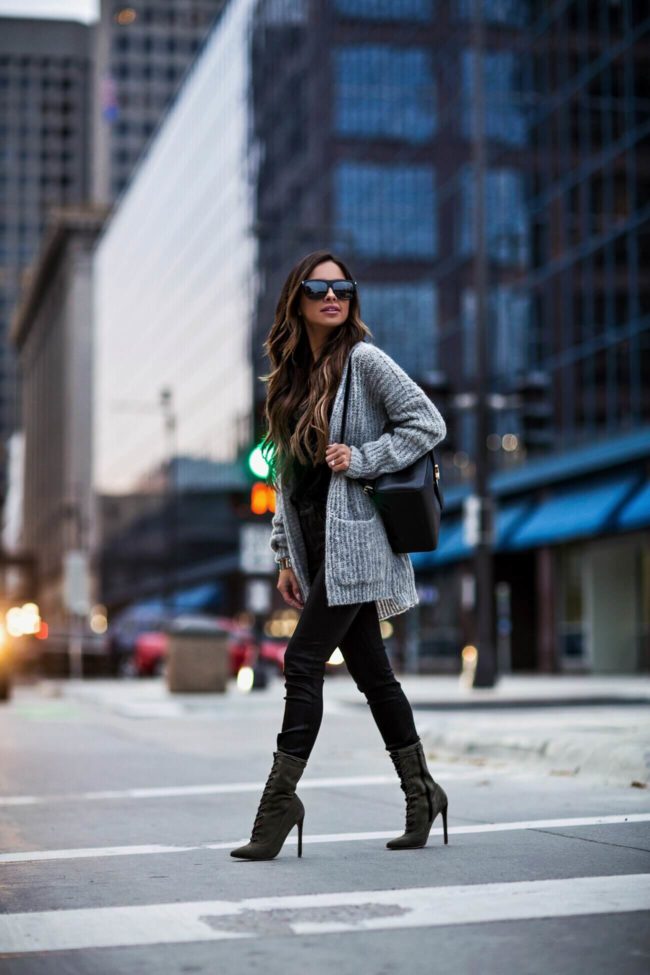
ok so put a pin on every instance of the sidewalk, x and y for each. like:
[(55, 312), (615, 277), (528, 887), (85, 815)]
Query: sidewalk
[(568, 725)]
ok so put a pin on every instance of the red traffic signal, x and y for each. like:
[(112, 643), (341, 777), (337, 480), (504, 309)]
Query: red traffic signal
[(262, 498)]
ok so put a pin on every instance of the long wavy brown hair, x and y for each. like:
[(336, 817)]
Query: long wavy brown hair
[(299, 390)]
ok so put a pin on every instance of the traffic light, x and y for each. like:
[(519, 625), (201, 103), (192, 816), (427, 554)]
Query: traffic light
[(534, 391), (257, 463), (262, 498)]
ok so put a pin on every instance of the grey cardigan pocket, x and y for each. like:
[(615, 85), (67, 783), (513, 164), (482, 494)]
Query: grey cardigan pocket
[(361, 549)]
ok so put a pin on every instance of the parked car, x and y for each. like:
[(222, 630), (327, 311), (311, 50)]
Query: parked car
[(243, 651), (150, 650)]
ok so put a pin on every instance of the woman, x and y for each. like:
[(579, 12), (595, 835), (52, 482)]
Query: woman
[(336, 564)]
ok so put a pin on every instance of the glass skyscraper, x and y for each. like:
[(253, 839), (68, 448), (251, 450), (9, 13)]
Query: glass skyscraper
[(364, 125), (363, 122), (45, 125)]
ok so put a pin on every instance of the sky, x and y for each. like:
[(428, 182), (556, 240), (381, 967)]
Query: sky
[(85, 10)]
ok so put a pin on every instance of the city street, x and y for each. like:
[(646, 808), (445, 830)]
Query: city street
[(119, 805)]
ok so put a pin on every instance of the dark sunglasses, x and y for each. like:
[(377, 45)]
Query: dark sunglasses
[(316, 289)]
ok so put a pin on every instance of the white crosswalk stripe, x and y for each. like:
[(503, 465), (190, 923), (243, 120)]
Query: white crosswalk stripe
[(225, 788), (32, 856), (320, 914)]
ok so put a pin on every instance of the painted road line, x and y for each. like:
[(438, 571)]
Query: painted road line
[(319, 914), (33, 856), (183, 791), (224, 788)]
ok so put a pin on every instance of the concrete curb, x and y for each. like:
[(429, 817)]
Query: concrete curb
[(624, 761)]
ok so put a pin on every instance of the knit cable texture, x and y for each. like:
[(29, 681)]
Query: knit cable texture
[(390, 423)]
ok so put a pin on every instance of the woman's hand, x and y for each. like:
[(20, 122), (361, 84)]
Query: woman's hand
[(338, 457), (288, 586)]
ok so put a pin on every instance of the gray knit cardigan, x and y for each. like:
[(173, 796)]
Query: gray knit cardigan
[(390, 423)]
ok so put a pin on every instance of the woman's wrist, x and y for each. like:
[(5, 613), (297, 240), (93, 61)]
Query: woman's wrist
[(284, 563)]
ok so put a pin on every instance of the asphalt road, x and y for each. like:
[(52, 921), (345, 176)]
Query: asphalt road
[(117, 816)]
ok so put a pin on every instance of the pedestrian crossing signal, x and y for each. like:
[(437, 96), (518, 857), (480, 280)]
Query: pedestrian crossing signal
[(262, 498)]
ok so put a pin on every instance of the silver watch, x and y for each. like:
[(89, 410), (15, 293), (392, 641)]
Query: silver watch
[(285, 562)]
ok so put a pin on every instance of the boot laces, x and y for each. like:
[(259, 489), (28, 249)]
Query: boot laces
[(264, 801), (409, 782), (410, 811)]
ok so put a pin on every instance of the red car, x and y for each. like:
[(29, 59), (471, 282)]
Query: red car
[(151, 651)]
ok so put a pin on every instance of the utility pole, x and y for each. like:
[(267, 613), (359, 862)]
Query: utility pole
[(485, 674)]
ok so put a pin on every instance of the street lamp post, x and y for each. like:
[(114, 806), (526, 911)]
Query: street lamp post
[(485, 673)]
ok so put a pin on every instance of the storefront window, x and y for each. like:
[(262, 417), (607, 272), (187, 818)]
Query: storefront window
[(571, 606)]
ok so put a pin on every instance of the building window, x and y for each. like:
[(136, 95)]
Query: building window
[(505, 216), (515, 13), (509, 323), (384, 91), (403, 319), (419, 10), (385, 211), (505, 118)]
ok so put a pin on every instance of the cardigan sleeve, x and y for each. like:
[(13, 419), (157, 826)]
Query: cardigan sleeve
[(417, 425), (278, 540)]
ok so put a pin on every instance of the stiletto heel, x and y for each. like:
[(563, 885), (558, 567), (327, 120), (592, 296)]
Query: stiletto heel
[(300, 822), (444, 821)]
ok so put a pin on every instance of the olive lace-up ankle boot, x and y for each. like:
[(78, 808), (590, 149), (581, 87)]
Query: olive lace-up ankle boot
[(424, 798), (279, 810)]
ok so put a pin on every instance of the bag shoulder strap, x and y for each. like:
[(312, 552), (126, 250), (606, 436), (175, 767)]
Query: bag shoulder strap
[(346, 397)]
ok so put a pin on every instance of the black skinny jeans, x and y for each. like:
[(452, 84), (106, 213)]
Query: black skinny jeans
[(355, 630)]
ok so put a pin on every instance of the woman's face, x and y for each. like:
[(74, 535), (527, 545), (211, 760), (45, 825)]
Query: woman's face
[(328, 312)]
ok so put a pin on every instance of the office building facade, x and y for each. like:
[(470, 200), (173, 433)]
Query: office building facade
[(175, 276), (143, 51), (52, 333), (364, 119), (45, 152)]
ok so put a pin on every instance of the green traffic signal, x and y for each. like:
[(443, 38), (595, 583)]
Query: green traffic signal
[(256, 462)]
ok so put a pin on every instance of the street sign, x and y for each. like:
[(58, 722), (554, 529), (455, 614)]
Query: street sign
[(255, 555), (76, 582), (258, 596), (478, 521)]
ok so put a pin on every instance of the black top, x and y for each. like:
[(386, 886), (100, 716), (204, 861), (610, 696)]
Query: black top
[(311, 481)]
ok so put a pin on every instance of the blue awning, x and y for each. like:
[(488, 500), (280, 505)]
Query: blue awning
[(452, 548), (636, 513), (508, 520), (575, 512), (198, 597)]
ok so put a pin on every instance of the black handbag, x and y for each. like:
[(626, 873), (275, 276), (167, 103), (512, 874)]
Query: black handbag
[(409, 501)]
